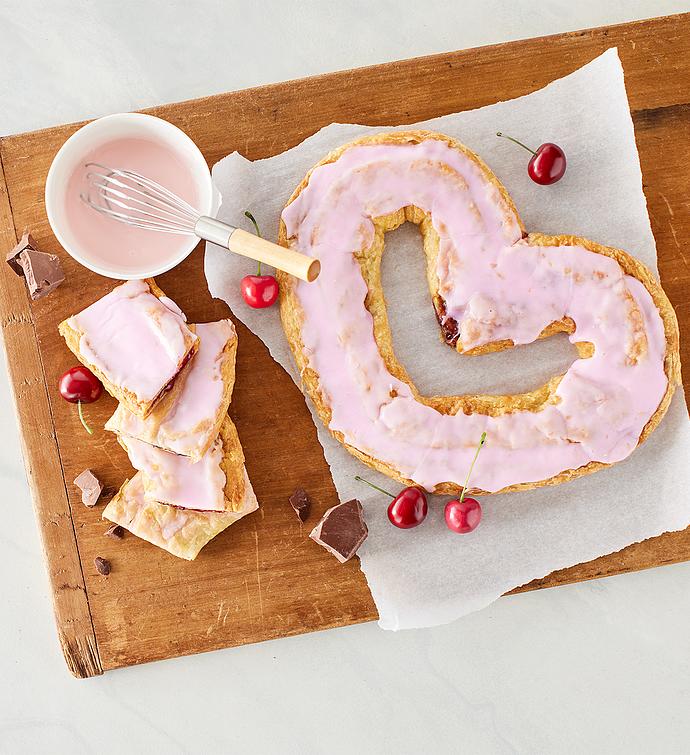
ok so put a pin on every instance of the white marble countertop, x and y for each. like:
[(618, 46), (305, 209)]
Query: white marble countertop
[(602, 666)]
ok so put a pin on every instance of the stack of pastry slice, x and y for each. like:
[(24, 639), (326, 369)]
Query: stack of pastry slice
[(191, 482)]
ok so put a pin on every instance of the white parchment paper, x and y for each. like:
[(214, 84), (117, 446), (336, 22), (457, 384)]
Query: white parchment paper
[(429, 575)]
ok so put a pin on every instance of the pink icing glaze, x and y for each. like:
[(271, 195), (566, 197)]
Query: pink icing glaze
[(117, 246), (134, 339), (180, 531), (496, 287), (175, 480), (170, 304), (188, 425)]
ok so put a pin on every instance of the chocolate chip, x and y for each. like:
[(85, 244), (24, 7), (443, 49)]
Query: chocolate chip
[(102, 566), (115, 531), (300, 502)]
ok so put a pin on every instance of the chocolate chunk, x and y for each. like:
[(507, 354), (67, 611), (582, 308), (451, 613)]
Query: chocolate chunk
[(90, 487), (115, 531), (102, 566), (26, 242), (42, 271), (342, 530), (300, 502)]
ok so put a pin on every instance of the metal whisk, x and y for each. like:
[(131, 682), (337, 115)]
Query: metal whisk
[(133, 199)]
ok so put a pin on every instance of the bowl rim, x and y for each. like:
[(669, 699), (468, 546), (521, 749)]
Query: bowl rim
[(51, 192)]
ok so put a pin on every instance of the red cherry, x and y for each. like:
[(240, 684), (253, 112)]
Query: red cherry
[(80, 385), (463, 516), (408, 509), (547, 164), (259, 291)]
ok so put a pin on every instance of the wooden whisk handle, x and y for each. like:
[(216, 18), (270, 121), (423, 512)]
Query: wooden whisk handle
[(248, 245), (289, 261)]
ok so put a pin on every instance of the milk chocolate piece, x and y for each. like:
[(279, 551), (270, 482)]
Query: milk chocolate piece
[(42, 271), (300, 502), (90, 487), (102, 566), (115, 531), (342, 530)]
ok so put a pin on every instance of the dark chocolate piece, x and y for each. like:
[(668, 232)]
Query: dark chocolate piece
[(90, 487), (102, 566), (300, 502), (342, 530), (42, 271), (26, 242), (115, 531)]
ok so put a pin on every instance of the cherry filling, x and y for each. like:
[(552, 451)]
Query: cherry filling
[(168, 386), (449, 326)]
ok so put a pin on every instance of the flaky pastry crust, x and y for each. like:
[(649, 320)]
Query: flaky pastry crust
[(370, 262)]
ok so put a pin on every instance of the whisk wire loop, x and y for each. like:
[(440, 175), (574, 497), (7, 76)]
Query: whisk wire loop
[(140, 202), (136, 200)]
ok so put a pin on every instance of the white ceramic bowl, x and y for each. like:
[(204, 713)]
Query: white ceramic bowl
[(107, 129)]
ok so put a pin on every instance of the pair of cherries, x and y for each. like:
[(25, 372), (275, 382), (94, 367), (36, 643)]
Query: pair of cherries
[(409, 508)]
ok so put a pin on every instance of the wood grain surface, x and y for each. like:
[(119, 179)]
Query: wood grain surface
[(263, 578)]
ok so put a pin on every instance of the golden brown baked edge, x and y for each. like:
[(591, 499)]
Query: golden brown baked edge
[(124, 396), (292, 318)]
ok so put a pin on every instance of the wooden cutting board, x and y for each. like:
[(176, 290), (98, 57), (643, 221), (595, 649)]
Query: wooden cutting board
[(263, 578)]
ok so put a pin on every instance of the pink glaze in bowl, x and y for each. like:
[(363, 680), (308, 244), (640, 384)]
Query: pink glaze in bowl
[(139, 142)]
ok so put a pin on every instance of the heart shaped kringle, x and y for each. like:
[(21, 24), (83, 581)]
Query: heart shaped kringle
[(493, 286)]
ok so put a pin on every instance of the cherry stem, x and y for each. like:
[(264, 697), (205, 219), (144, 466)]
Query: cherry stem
[(524, 146), (469, 471), (258, 233), (371, 485), (83, 421)]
